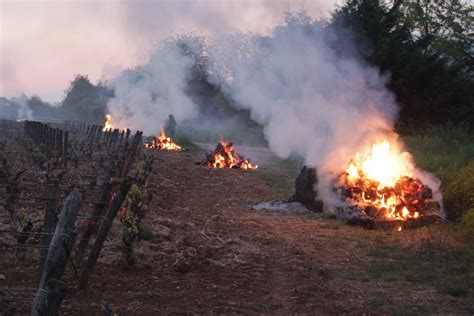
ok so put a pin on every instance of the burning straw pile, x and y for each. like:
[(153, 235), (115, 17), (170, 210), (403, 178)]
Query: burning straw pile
[(376, 188), (224, 156), (162, 142)]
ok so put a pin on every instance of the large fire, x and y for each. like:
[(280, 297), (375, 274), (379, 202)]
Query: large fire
[(224, 156), (379, 184), (108, 123), (163, 142)]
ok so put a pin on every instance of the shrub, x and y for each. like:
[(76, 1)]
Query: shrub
[(467, 222), (459, 195), (441, 150)]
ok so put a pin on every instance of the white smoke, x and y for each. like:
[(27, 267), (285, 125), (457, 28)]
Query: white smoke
[(313, 95), (312, 99), (23, 109), (146, 95), (304, 83)]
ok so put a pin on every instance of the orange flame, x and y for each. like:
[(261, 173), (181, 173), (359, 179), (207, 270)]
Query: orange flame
[(380, 182), (108, 123), (224, 156), (163, 143), (382, 163)]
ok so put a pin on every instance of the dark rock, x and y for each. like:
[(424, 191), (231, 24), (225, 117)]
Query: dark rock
[(305, 189)]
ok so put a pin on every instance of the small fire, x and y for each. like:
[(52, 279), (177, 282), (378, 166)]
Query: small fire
[(380, 184), (224, 156), (163, 143), (108, 123)]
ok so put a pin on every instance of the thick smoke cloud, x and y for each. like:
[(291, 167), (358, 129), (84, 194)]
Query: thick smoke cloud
[(304, 83), (315, 97), (146, 95), (312, 98)]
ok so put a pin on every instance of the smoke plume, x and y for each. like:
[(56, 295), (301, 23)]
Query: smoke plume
[(146, 95), (23, 109), (312, 98), (308, 87), (304, 83)]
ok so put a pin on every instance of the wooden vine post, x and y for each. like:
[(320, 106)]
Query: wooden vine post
[(104, 200), (50, 215), (51, 290), (102, 233), (120, 195), (94, 220)]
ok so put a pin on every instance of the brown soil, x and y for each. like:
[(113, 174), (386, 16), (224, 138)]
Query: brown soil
[(212, 253)]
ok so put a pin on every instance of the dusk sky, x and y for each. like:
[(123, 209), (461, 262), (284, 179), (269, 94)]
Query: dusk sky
[(43, 44)]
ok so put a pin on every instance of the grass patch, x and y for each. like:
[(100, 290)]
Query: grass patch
[(186, 143), (280, 174), (450, 273), (466, 226), (455, 287), (440, 150), (279, 182), (459, 194)]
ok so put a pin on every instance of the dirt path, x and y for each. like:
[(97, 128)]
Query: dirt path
[(211, 252)]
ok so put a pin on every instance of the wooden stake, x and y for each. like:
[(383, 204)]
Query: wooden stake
[(102, 234), (49, 225), (51, 290), (48, 300), (63, 239), (94, 220)]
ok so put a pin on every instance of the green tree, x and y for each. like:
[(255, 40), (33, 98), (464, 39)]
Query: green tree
[(427, 48), (86, 101), (444, 27)]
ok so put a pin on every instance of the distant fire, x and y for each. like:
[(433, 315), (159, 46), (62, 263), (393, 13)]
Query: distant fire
[(379, 184), (108, 123), (224, 156), (163, 142)]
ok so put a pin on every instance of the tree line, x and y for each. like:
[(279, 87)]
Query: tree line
[(83, 101)]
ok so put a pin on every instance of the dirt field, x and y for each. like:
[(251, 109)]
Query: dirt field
[(212, 253)]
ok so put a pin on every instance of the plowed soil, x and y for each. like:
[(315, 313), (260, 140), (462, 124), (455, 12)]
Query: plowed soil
[(212, 253)]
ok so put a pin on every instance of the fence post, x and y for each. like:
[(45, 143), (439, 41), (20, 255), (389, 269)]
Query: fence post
[(48, 300), (65, 149), (102, 234), (93, 221), (50, 214), (48, 296)]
